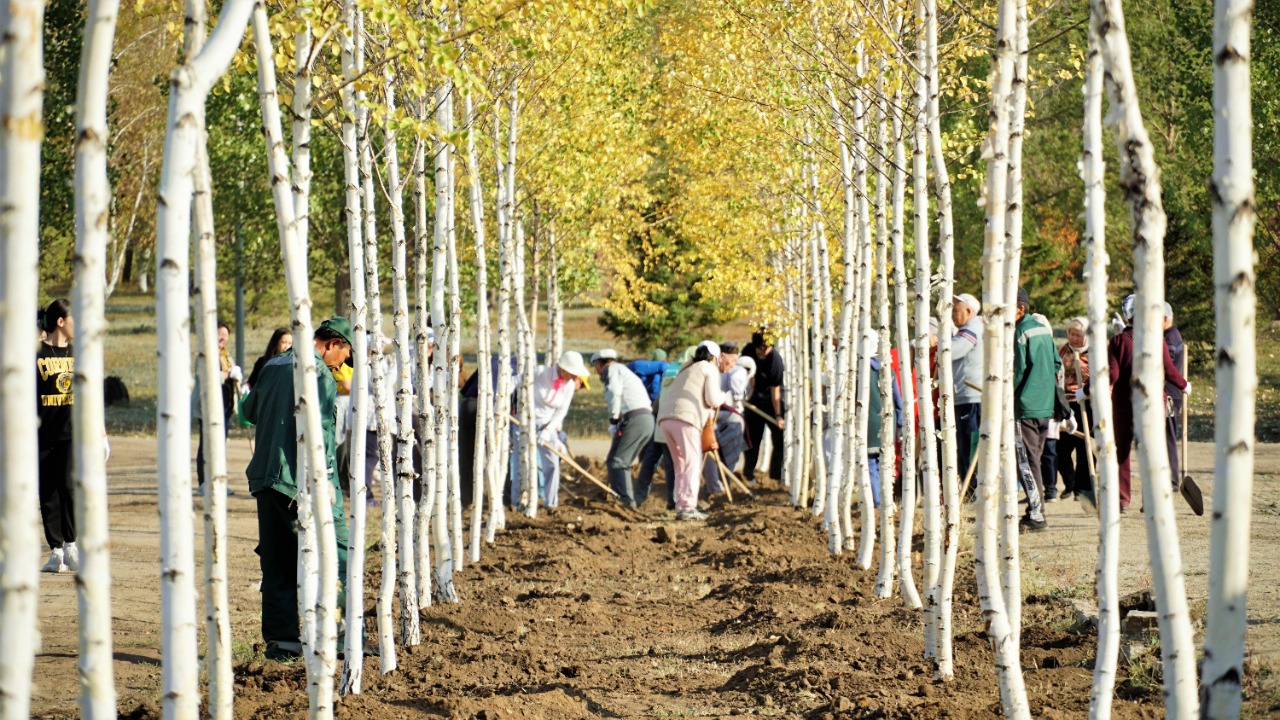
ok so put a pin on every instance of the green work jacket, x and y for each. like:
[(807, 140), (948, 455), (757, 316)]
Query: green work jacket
[(269, 406), (1035, 369)]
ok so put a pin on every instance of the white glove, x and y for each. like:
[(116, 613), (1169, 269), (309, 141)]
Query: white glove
[(1070, 425), (1117, 324), (613, 429), (106, 449), (1187, 390), (235, 373), (1080, 395), (546, 437)]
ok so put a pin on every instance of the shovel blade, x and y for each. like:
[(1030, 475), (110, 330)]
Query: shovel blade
[(1191, 493)]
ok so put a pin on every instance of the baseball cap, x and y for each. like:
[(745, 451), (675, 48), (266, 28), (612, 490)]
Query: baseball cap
[(729, 348), (971, 301), (340, 325), (605, 354)]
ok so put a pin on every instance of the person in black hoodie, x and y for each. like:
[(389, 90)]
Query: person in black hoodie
[(55, 368), (1172, 393)]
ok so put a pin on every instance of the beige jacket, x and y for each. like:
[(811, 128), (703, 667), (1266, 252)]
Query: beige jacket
[(693, 396)]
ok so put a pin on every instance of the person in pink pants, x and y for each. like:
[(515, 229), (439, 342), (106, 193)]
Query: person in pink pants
[(683, 410)]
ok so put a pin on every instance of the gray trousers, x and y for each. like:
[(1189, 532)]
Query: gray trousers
[(629, 439), (1031, 434)]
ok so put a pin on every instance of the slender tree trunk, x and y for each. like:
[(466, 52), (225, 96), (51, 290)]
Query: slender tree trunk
[(190, 85), (502, 410), (837, 532), (213, 428), (1236, 376), (484, 401), (311, 438), (888, 540), (443, 572), (906, 529), (1108, 493), (353, 662), (527, 368), (377, 367), (1140, 183), (930, 480), (424, 406), (454, 358), (1012, 691), (410, 628), (944, 661), (89, 468)]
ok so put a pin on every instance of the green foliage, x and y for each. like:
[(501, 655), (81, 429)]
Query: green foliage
[(63, 38)]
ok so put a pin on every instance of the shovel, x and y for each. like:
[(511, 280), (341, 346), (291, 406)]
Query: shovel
[(1190, 489)]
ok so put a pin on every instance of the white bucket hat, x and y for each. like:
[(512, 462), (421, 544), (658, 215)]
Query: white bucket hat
[(749, 364), (571, 362), (713, 347), (605, 354)]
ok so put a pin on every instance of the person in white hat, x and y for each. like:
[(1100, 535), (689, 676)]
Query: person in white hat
[(684, 409), (966, 373), (630, 421), (553, 389)]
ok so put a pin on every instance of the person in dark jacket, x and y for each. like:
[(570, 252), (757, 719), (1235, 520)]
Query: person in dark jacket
[(1120, 355), (767, 396), (55, 370), (273, 474), (1173, 394)]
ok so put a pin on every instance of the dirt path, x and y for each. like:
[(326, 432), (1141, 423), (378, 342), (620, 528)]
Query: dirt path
[(580, 614)]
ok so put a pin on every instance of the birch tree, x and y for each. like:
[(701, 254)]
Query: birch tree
[(189, 87), (1108, 491), (443, 570), (1236, 374), (311, 435), (88, 298), (1140, 183)]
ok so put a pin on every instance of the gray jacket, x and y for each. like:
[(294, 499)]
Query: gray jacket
[(966, 361)]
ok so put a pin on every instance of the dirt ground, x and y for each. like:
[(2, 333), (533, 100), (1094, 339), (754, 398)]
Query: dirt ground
[(581, 614)]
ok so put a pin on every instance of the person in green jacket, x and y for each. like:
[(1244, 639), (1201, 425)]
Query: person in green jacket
[(273, 474), (1035, 380)]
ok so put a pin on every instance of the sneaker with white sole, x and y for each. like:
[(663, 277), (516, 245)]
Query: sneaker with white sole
[(71, 554), (56, 562), (691, 515)]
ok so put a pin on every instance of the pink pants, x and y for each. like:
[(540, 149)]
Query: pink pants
[(684, 441)]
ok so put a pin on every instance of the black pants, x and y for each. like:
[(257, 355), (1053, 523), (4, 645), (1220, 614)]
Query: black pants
[(968, 418), (1073, 465), (200, 449), (1172, 434), (755, 431), (57, 501), (278, 558), (653, 456), (1033, 432)]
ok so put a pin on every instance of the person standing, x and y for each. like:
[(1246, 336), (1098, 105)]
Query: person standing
[(766, 396), (630, 420), (1035, 379), (1173, 394), (684, 408), (281, 340), (553, 389), (966, 374), (731, 428), (55, 370), (1120, 354), (1073, 465), (273, 473), (232, 376)]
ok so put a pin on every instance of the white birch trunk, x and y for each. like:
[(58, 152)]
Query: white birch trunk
[(424, 407), (353, 662), (944, 661), (217, 614), (21, 120), (931, 487), (443, 570), (888, 540), (819, 334), (837, 532), (453, 359), (527, 368), (1104, 439), (190, 85), (1140, 182), (307, 410), (1236, 376), (88, 299), (1012, 690), (906, 529), (501, 457), (377, 367), (862, 473), (484, 396), (857, 453), (1010, 571), (410, 627)]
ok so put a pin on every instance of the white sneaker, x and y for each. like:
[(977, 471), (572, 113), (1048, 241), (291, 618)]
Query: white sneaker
[(690, 515), (55, 564), (71, 553)]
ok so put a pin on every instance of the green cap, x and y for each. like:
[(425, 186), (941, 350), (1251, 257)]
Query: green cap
[(340, 325)]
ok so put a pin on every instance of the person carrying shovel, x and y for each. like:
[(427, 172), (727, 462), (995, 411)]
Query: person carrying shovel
[(553, 389)]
